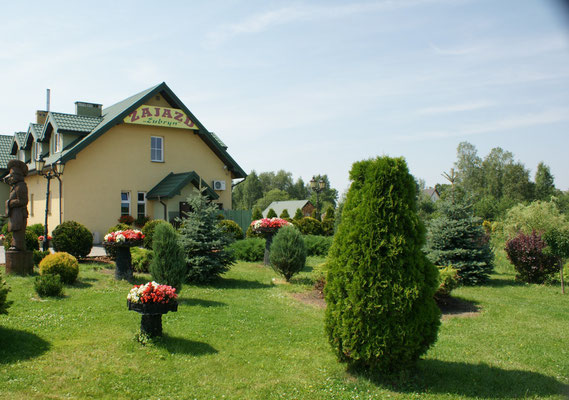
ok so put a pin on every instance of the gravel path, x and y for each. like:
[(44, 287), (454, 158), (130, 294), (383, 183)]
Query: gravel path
[(95, 251)]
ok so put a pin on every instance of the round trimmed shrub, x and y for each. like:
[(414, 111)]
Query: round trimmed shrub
[(531, 262), (31, 240), (40, 255), (62, 264), (73, 238), (141, 259), (251, 249), (288, 253), (232, 229), (148, 231), (380, 312), (309, 226), (38, 229), (48, 286)]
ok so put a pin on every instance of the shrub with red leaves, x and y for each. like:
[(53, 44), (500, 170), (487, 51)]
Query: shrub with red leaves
[(532, 264)]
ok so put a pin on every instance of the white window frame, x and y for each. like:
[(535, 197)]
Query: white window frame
[(128, 201), (57, 145), (138, 203), (154, 149), (36, 151)]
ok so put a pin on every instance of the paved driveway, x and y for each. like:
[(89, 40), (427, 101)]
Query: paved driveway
[(95, 251)]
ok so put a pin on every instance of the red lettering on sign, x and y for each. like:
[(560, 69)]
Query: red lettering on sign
[(188, 122), (146, 112), (157, 114), (167, 113), (133, 116), (178, 116)]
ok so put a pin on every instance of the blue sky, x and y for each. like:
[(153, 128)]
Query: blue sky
[(311, 87)]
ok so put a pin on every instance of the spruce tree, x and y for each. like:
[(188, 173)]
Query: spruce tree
[(457, 238), (380, 286), (167, 266), (298, 215), (204, 242), (272, 214)]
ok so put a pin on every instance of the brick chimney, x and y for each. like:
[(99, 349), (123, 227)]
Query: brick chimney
[(41, 116), (88, 109)]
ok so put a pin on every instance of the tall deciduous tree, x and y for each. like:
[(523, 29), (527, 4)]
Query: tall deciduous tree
[(544, 182)]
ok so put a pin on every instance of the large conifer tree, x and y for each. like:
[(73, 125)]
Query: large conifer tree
[(457, 238), (380, 286)]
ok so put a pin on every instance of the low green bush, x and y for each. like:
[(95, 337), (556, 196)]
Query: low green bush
[(148, 231), (309, 226), (448, 281), (250, 249), (48, 286), (73, 238), (288, 253), (62, 264), (141, 259), (38, 229), (317, 245), (31, 240), (232, 228), (4, 303), (40, 255), (251, 233)]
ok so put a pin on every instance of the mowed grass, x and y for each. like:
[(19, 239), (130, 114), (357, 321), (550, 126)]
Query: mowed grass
[(245, 337)]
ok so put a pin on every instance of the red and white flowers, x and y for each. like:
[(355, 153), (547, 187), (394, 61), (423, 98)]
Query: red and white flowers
[(42, 237), (130, 235), (266, 224), (152, 292)]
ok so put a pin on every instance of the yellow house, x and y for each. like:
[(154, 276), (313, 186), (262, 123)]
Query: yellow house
[(141, 157)]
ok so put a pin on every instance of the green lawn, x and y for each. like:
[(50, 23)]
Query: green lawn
[(248, 338)]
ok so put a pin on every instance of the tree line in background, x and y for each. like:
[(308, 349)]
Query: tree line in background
[(260, 190), (496, 183)]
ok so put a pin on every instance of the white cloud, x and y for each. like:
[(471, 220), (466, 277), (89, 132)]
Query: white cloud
[(504, 124), (455, 108)]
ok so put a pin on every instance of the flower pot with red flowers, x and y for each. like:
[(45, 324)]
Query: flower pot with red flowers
[(122, 241), (152, 300), (267, 227)]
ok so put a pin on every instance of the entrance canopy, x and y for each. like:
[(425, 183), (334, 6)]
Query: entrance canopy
[(173, 184)]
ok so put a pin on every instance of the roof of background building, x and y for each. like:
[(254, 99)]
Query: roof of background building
[(290, 205)]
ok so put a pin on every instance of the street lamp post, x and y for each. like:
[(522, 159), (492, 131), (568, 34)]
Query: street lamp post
[(317, 186), (55, 171)]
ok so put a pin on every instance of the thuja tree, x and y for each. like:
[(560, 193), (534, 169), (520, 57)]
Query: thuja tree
[(380, 308), (204, 242), (167, 266), (458, 239)]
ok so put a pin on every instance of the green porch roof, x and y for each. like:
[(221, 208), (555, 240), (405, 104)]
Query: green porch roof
[(173, 184)]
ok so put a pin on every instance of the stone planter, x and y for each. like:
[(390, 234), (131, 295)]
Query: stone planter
[(123, 259), (151, 320), (268, 234)]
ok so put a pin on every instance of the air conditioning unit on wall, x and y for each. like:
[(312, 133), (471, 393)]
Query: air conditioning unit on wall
[(218, 185)]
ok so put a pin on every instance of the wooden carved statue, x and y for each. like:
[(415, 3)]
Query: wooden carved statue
[(17, 204)]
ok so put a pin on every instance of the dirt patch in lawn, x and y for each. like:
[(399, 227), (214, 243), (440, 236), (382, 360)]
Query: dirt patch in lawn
[(312, 298), (97, 260)]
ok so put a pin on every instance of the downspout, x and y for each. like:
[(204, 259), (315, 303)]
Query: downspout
[(165, 209), (60, 210)]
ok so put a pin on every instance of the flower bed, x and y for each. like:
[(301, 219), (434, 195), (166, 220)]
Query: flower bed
[(152, 292), (268, 224), (127, 236)]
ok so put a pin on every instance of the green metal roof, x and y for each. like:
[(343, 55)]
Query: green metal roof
[(173, 184), (5, 147), (18, 142), (75, 123), (36, 130)]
